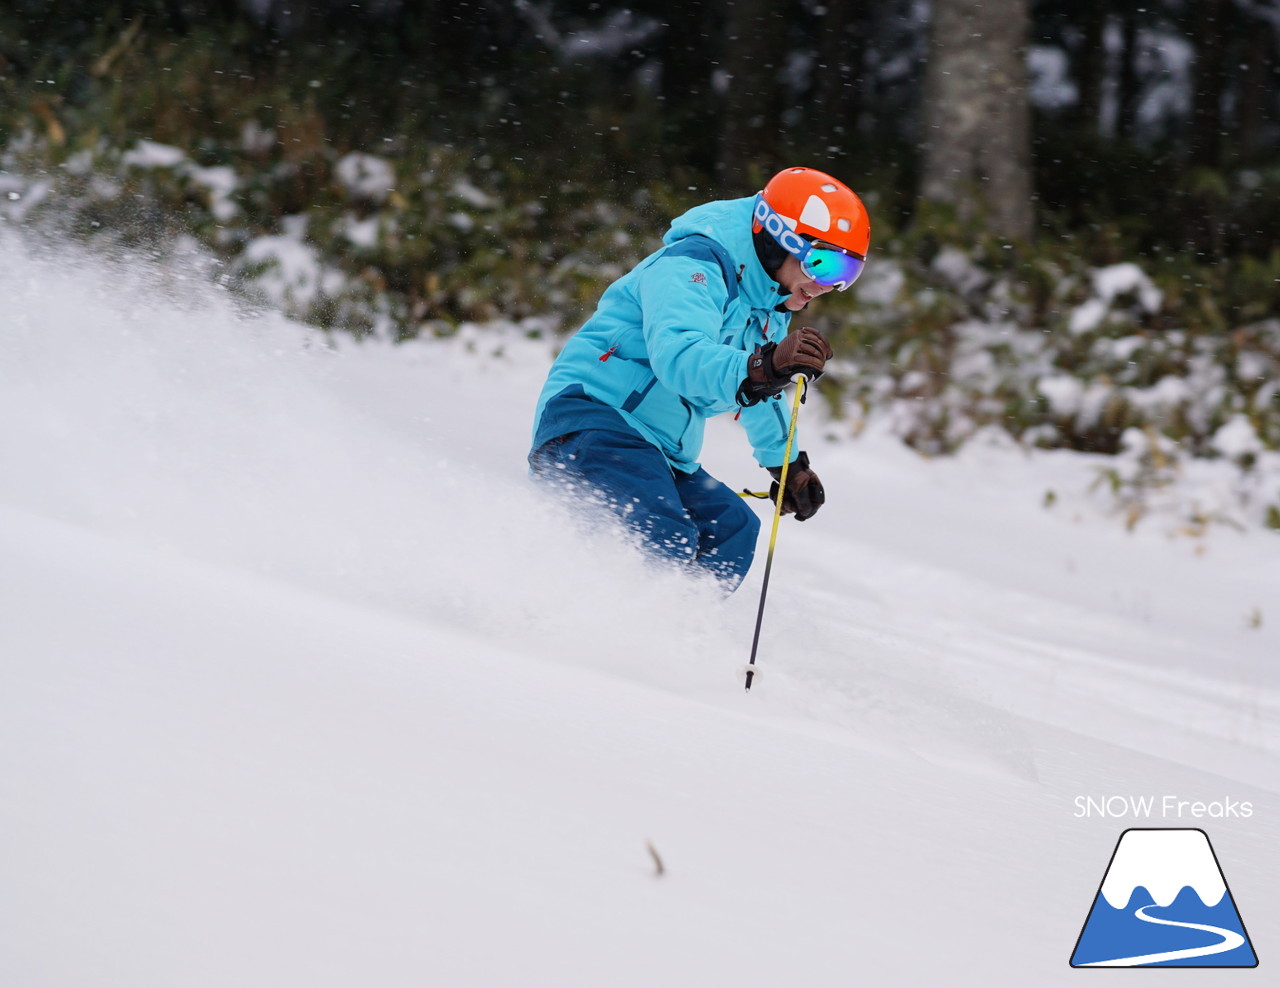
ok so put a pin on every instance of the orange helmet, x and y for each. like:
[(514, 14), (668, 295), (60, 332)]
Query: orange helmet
[(817, 206)]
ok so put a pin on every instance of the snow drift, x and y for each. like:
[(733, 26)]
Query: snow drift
[(302, 683)]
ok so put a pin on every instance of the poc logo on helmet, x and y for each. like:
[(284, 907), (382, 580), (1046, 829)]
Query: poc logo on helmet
[(779, 230)]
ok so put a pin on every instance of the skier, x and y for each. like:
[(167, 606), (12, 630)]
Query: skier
[(696, 329)]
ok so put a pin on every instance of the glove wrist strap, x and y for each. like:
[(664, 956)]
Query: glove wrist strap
[(761, 382)]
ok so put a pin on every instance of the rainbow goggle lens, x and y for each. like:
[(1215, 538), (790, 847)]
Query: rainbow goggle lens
[(831, 266), (823, 263)]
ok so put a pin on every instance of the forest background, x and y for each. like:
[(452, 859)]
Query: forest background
[(1074, 204)]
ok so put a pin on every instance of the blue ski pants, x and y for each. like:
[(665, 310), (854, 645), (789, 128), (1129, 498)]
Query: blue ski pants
[(693, 518)]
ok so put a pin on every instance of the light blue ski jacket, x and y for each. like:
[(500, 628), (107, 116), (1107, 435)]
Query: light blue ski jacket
[(667, 346)]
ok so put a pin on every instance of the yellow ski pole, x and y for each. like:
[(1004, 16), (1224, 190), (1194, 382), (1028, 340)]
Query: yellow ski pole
[(802, 384)]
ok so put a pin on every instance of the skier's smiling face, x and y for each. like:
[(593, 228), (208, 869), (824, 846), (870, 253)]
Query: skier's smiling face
[(803, 289)]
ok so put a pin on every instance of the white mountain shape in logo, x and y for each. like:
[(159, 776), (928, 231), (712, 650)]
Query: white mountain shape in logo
[(1163, 862), (1163, 924)]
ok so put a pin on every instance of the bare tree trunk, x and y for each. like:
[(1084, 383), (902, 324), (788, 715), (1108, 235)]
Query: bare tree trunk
[(1090, 64), (1255, 89), (752, 104), (689, 53), (1128, 89), (838, 89), (1210, 79), (977, 142)]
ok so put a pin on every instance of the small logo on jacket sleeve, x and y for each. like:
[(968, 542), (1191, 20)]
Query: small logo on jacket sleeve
[(699, 278)]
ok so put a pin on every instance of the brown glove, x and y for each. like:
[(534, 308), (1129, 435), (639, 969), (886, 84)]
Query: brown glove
[(806, 351), (804, 494)]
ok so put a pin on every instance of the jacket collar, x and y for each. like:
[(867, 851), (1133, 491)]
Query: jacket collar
[(728, 221)]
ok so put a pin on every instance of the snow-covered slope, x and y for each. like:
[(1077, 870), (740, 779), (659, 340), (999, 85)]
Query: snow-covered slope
[(302, 684)]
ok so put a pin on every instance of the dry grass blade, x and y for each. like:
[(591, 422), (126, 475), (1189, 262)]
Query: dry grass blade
[(659, 869)]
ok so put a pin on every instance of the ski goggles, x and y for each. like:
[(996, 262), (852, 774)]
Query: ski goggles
[(823, 263), (831, 266)]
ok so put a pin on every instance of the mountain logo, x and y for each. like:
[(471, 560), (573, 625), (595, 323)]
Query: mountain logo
[(1164, 902)]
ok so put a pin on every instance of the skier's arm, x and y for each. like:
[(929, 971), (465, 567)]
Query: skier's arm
[(683, 300), (766, 423)]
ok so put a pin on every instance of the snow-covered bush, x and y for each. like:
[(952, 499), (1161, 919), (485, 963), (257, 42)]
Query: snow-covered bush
[(948, 336), (404, 243), (1125, 358)]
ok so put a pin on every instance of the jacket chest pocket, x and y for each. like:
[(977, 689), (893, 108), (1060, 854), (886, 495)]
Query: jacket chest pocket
[(753, 330), (741, 328)]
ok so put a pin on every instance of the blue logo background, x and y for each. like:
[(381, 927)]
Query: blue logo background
[(1185, 932)]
